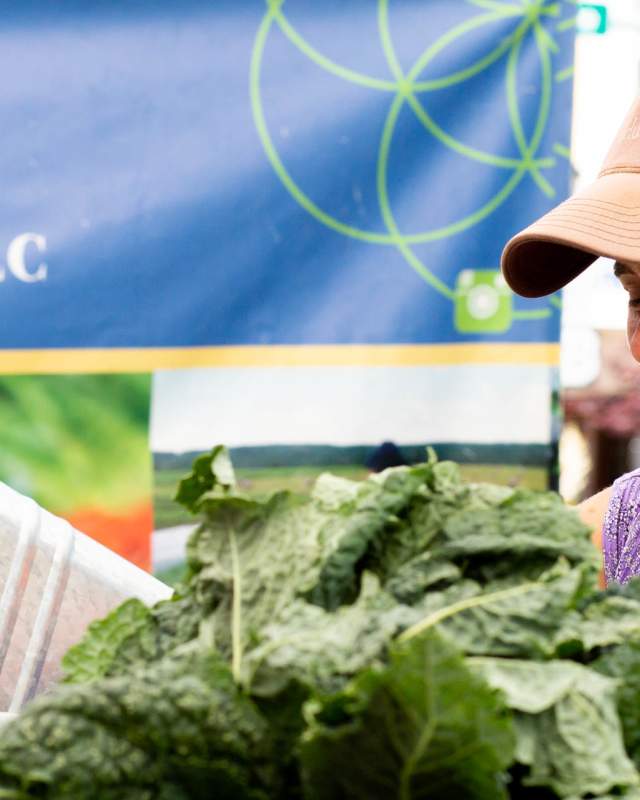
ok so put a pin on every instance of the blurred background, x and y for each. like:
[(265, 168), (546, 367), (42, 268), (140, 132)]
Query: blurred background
[(278, 226)]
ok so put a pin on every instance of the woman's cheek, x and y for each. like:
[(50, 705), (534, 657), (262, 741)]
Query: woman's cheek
[(633, 332)]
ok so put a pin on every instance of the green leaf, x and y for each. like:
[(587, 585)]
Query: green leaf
[(520, 538), (419, 575), (91, 658), (240, 589), (569, 732), (606, 618), (322, 650), (178, 730), (429, 494), (170, 625), (421, 727), (354, 598), (133, 635), (334, 493), (211, 472), (355, 532), (519, 620), (319, 556), (623, 664), (612, 620)]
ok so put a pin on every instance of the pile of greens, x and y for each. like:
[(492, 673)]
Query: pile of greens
[(408, 636)]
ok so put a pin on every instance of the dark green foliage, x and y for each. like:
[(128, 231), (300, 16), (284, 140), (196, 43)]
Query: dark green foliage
[(421, 726), (568, 731), (408, 637), (623, 664), (209, 472), (181, 729)]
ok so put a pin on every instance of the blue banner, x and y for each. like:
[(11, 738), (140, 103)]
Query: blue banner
[(190, 176)]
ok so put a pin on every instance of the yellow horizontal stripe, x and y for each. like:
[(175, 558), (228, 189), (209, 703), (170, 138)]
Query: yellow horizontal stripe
[(135, 360)]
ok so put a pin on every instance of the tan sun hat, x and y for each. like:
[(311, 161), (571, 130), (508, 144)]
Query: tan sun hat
[(603, 219)]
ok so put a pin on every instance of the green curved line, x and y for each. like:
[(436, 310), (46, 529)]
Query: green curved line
[(458, 147), (465, 74), (385, 206), (562, 150), (544, 42), (406, 84), (512, 98), (369, 82), (387, 44), (456, 227), (416, 105), (450, 36), (509, 8), (326, 63), (547, 88), (528, 150), (390, 124), (472, 219), (430, 53), (383, 159), (406, 88), (564, 74), (274, 158), (567, 25), (308, 204), (402, 241), (382, 171)]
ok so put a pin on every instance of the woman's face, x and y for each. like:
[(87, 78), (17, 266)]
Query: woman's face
[(629, 276)]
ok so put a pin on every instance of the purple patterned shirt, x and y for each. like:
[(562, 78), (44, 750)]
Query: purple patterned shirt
[(621, 532)]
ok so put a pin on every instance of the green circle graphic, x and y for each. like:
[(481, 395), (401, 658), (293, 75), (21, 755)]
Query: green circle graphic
[(408, 90)]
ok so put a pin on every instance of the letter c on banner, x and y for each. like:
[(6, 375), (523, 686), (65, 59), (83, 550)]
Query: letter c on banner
[(16, 257)]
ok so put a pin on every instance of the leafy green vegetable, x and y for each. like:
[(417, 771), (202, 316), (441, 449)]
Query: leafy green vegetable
[(408, 636), (569, 734), (131, 636), (519, 620), (178, 730), (610, 619), (322, 650), (522, 515), (94, 656), (623, 664), (422, 726), (211, 471), (423, 573)]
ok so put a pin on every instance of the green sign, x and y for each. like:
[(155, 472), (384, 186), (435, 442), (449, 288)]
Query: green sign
[(592, 18), (483, 302)]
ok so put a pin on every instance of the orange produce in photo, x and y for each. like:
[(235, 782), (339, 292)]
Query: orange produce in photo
[(127, 532)]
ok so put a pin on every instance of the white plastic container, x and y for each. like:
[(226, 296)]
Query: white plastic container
[(54, 581)]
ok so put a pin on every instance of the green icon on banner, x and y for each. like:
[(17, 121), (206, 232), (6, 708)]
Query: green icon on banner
[(483, 302), (592, 18)]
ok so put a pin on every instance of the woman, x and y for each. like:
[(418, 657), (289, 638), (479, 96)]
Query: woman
[(601, 220)]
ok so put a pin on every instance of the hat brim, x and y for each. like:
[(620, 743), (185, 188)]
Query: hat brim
[(603, 219)]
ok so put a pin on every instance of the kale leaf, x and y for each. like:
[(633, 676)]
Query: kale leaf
[(420, 726), (407, 636), (179, 729)]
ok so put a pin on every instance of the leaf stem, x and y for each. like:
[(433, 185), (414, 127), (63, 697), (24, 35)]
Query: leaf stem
[(236, 614), (464, 605)]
